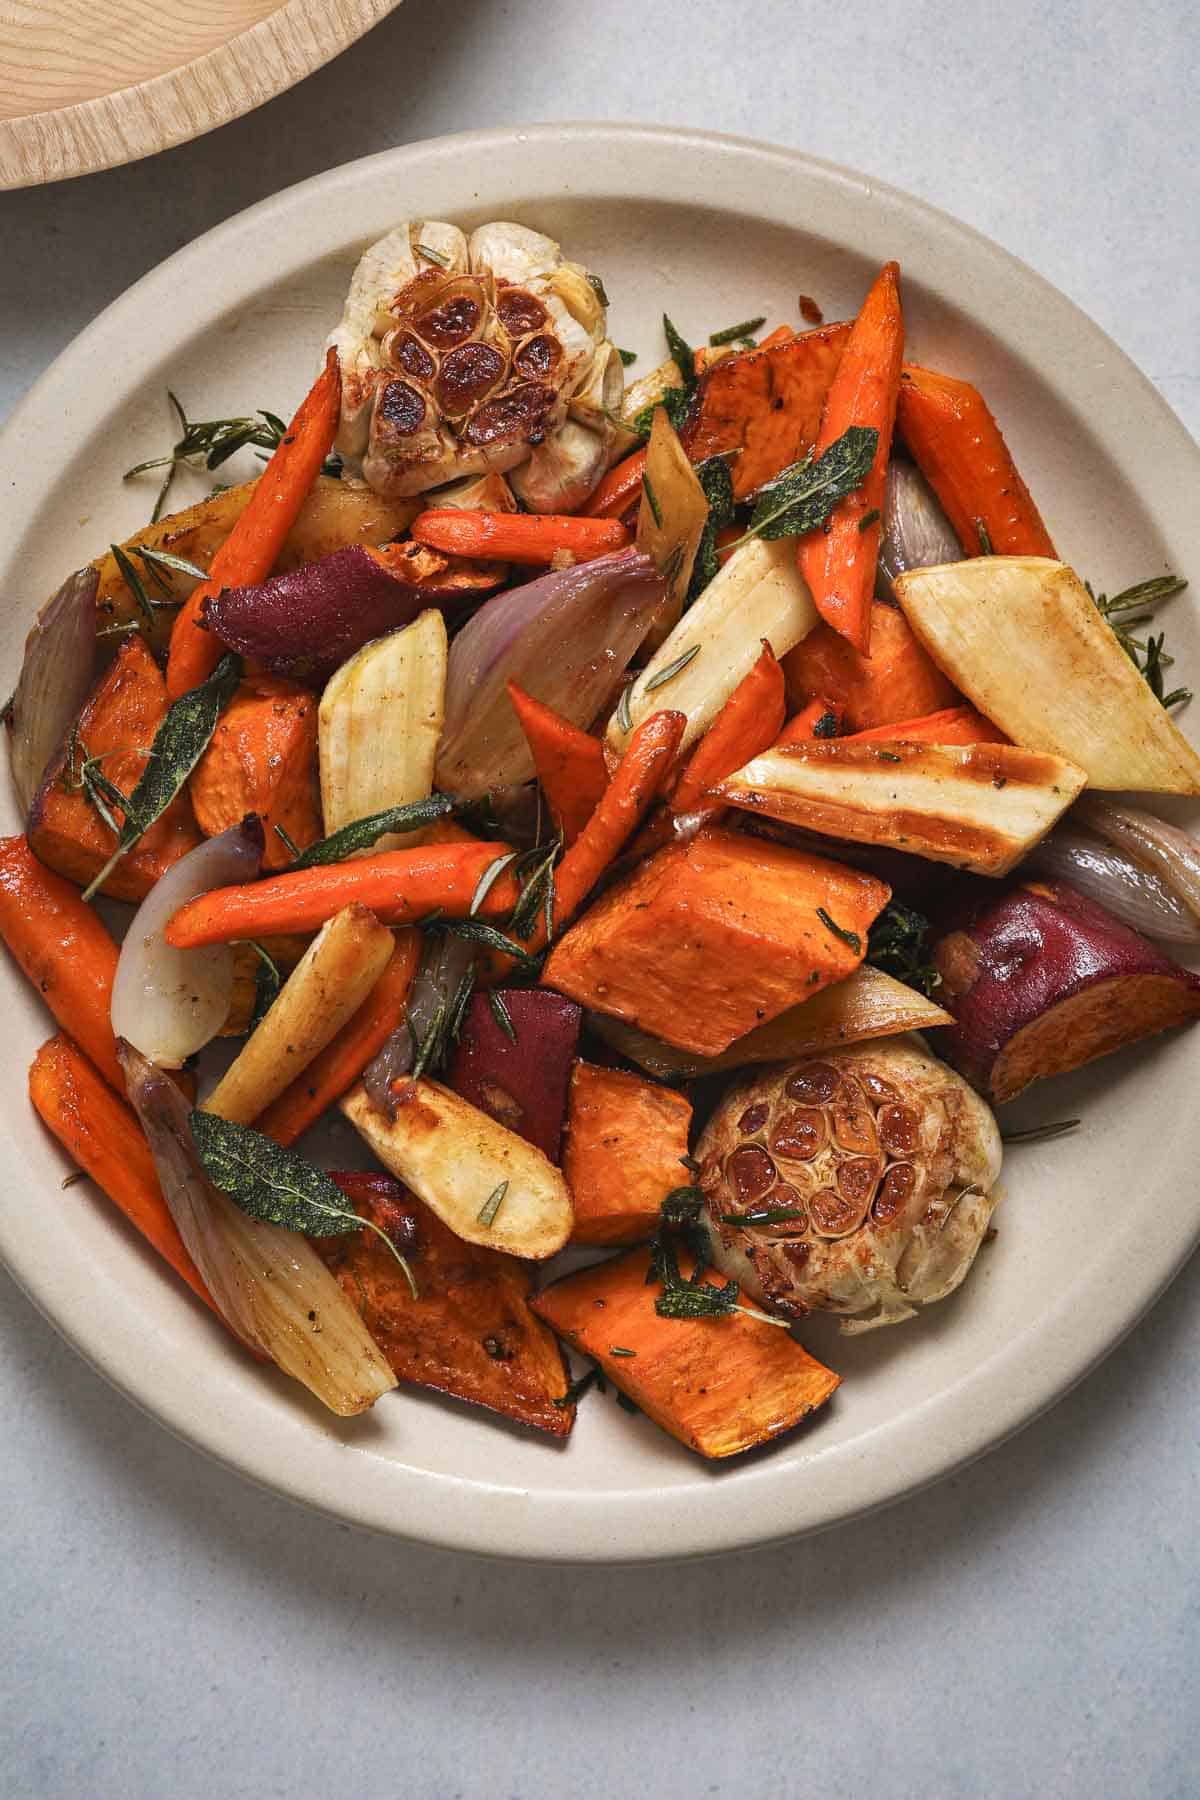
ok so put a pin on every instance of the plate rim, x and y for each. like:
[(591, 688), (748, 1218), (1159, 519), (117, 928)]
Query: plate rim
[(691, 1520), (183, 103)]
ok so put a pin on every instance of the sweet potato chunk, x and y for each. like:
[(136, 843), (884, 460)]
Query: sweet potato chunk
[(765, 404), (520, 1080), (117, 726), (706, 940), (897, 681), (471, 1333), (718, 1385), (263, 759), (624, 1144)]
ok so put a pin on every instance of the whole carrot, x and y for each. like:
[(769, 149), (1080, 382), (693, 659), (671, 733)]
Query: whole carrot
[(959, 449), (103, 1136), (399, 887), (621, 487), (801, 728), (249, 552), (748, 723), (838, 562), (62, 946), (569, 762), (953, 725), (345, 1057), (517, 537)]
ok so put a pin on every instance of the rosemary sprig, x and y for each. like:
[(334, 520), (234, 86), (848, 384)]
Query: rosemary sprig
[(672, 669), (898, 944), (1136, 606), (850, 938), (493, 1203), (502, 1015), (1042, 1134), (732, 333), (207, 443)]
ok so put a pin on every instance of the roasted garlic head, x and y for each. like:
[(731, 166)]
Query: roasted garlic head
[(884, 1161), (462, 356)]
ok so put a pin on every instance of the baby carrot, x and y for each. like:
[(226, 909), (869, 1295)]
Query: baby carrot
[(953, 725), (569, 762), (345, 1057), (801, 727), (249, 552), (749, 722), (621, 487), (103, 1136), (516, 537), (960, 451), (399, 887), (63, 948), (838, 562)]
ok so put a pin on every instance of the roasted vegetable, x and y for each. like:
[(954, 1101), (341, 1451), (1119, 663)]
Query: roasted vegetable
[(765, 404), (625, 1150), (569, 762), (484, 1182), (897, 681), (67, 829), (484, 355), (1040, 980), (55, 679), (262, 759), (659, 948), (673, 514), (859, 1184), (975, 806), (380, 722), (718, 1385), (513, 1061), (1025, 643), (468, 1331)]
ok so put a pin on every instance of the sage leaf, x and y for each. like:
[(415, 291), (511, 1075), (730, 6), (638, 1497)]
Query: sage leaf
[(801, 498), (362, 833)]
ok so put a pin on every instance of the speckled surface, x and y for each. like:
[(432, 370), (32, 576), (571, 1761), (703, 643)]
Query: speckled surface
[(1031, 1627)]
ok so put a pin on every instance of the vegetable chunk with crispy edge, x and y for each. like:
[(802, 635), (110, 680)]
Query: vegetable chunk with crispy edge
[(513, 1061), (765, 404), (471, 1333), (262, 759), (708, 939), (623, 1152), (117, 726), (718, 1385)]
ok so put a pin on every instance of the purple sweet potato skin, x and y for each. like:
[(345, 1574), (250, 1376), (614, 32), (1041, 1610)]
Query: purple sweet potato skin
[(523, 1085), (305, 623), (1007, 962)]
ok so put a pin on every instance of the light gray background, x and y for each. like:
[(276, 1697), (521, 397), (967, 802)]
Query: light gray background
[(1029, 1628)]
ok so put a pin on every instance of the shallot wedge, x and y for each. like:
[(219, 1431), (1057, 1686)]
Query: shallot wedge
[(55, 680), (268, 1284)]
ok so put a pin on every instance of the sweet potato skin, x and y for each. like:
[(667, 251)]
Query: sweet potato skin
[(262, 759), (522, 1084), (1041, 980), (625, 1143), (658, 948), (720, 1386), (471, 1333), (118, 725), (765, 404)]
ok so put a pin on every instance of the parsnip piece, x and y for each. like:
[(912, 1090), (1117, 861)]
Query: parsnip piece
[(456, 1159), (328, 984), (758, 594), (672, 517), (975, 806), (475, 493), (1022, 639), (379, 725), (867, 1004)]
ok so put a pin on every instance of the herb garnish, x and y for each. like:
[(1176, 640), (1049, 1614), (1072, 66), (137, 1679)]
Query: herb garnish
[(133, 582), (478, 931), (849, 938), (432, 1051), (536, 868), (672, 669), (732, 333), (502, 1015), (1041, 1134), (267, 982), (693, 1297), (488, 880), (268, 1181), (674, 400), (627, 357), (870, 518), (681, 353), (433, 256), (362, 833), (590, 1378), (803, 496), (166, 559), (652, 500), (1134, 606), (985, 540), (207, 443), (493, 1203), (178, 745), (826, 726), (898, 944), (287, 840), (620, 1350), (716, 480), (765, 1215), (624, 716), (597, 287)]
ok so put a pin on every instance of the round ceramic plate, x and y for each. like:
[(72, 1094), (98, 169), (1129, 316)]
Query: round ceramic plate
[(709, 229)]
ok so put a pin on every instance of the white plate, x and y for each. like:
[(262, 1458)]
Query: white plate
[(710, 229)]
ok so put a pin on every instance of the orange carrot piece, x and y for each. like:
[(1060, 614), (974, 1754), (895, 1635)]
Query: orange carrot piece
[(63, 948), (345, 1057), (801, 728), (262, 758), (249, 552), (897, 681), (399, 887), (569, 762), (103, 1136), (953, 725), (517, 537), (748, 723), (839, 561), (961, 452), (619, 489), (764, 404)]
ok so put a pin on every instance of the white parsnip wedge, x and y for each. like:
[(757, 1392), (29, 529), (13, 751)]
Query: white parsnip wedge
[(476, 493), (379, 725), (1022, 638), (328, 985), (485, 1183), (672, 517), (976, 806), (759, 593)]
